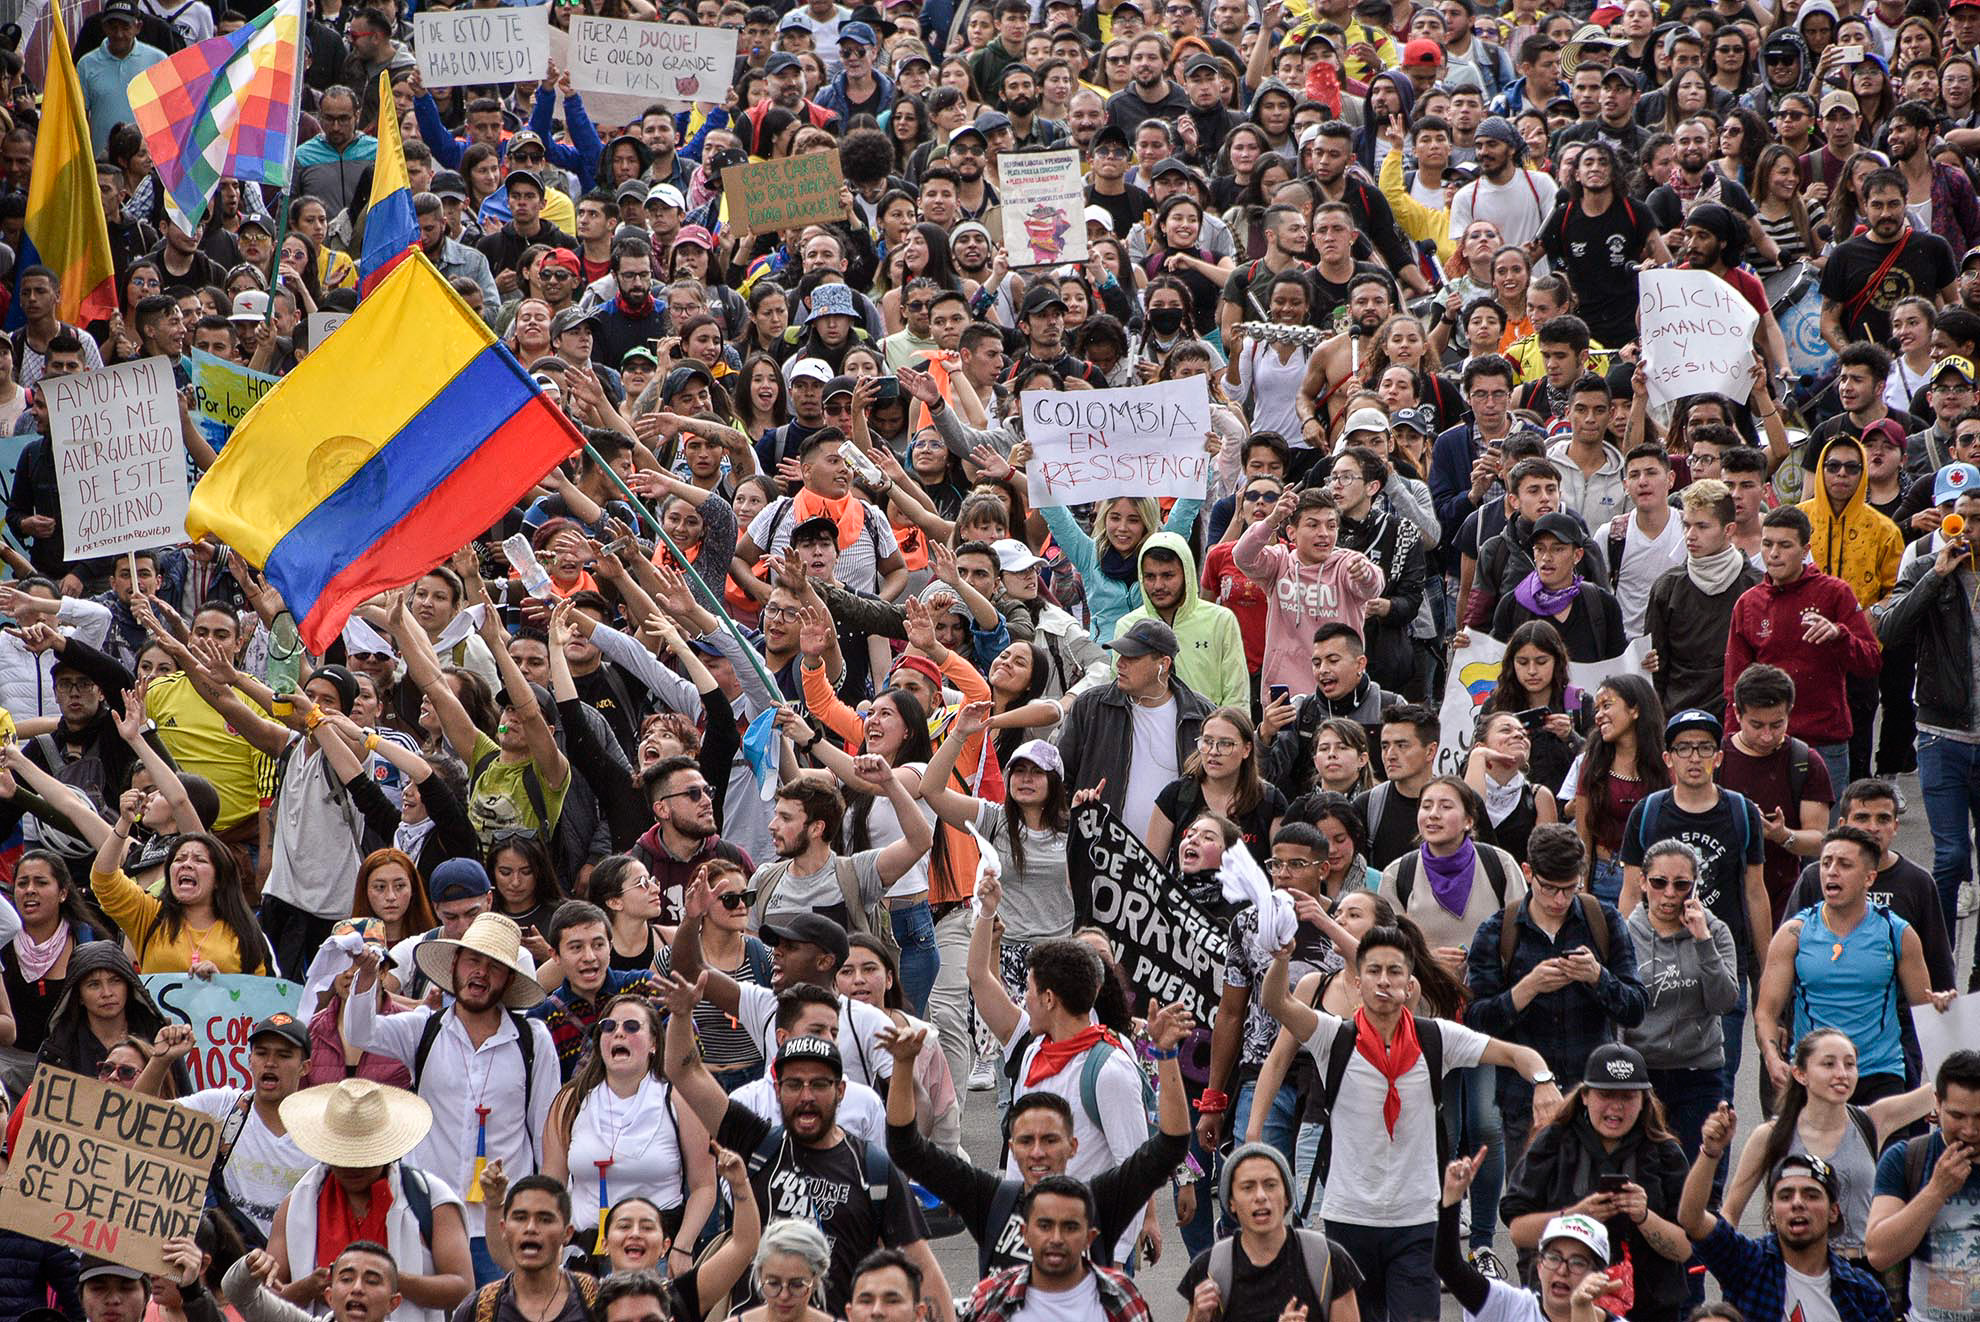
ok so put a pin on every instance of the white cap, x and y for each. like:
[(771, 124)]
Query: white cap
[(815, 369), (1013, 555), (1097, 215), (249, 305), (1583, 1230), (1369, 419), (1040, 754), (1308, 135), (548, 385), (666, 193)]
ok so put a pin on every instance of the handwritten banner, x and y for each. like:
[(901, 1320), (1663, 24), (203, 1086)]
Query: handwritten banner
[(105, 1170), (658, 61), (223, 392), (119, 461), (1475, 673), (1169, 947), (220, 1011), (766, 196), (1697, 336), (1087, 445), (1044, 207), (467, 47)]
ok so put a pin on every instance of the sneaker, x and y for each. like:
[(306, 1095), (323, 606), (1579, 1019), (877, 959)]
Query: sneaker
[(983, 1078), (1969, 898), (1487, 1264)]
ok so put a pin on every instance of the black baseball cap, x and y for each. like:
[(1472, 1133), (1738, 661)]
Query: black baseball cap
[(816, 1050), (1146, 638), (1041, 297), (1613, 1067), (811, 929), (284, 1025), (1561, 527), (821, 527)]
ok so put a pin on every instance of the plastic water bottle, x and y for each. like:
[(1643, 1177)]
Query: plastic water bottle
[(869, 475), (522, 559)]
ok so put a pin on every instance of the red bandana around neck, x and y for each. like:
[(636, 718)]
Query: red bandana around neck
[(1391, 1061), (337, 1222), (1052, 1056)]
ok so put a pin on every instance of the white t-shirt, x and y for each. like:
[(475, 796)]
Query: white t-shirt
[(263, 1167), (1509, 1303), (1079, 1304), (1152, 764), (1808, 1298), (1643, 563), (859, 563), (858, 1022), (1379, 1179), (862, 1113), (1518, 207)]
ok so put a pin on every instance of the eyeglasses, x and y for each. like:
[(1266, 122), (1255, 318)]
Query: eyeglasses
[(796, 1285), (606, 1026), (919, 304), (1277, 865), (736, 901), (1555, 888), (1679, 885), (1841, 468), (1209, 745), (693, 794), (1693, 750), (119, 1073), (824, 1085), (781, 612), (1577, 1264)]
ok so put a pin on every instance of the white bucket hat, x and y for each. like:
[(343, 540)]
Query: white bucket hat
[(356, 1122), (493, 935)]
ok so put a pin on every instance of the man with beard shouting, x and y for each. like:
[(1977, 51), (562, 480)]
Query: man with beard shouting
[(806, 1166)]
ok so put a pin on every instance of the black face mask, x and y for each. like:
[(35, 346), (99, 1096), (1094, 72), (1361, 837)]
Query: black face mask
[(1021, 106), (1165, 321)]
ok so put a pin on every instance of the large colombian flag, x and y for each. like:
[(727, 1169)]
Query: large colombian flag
[(373, 462), (64, 230), (390, 228)]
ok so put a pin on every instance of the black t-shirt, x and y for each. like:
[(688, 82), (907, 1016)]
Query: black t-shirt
[(827, 1187), (1263, 1292), (1127, 208), (1924, 267), (1395, 834), (1668, 210), (1716, 837), (1181, 801), (1327, 295), (1599, 254)]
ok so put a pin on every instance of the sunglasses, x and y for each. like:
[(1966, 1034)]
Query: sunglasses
[(1676, 884), (609, 1026), (736, 901), (693, 794), (120, 1073), (1840, 468), (1261, 495)]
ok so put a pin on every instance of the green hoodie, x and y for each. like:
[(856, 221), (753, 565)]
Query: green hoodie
[(1212, 657)]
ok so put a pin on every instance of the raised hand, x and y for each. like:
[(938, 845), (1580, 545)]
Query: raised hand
[(1717, 1132), (174, 1043), (815, 631), (681, 996), (1090, 794), (919, 626), (1168, 1025), (1459, 1175), (904, 1045)]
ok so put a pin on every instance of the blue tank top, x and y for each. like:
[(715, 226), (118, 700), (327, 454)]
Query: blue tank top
[(1850, 983)]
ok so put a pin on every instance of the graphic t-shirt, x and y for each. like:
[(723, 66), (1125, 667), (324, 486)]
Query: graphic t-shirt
[(263, 1167), (1716, 836), (1922, 269), (1945, 1268), (1807, 1298)]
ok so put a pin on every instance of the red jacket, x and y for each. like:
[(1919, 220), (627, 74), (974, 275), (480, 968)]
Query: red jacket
[(1766, 629)]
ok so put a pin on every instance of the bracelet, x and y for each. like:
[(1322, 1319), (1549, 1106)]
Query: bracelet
[(314, 719), (1215, 1101), (371, 743), (1156, 1053)]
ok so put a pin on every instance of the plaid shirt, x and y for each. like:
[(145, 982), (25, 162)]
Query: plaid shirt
[(1753, 1278), (1000, 1296), (569, 1016)]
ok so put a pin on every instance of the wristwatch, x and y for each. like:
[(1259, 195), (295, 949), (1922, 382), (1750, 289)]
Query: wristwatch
[(1542, 1079)]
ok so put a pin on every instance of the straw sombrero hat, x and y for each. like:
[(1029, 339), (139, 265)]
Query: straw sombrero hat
[(493, 935), (356, 1122)]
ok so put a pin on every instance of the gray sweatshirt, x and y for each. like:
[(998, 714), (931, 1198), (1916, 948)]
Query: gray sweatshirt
[(1690, 983)]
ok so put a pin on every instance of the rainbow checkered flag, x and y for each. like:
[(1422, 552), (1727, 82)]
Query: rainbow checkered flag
[(224, 109)]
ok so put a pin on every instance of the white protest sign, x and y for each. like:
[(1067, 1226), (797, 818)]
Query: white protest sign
[(1143, 441), (608, 110), (119, 460), (1697, 336), (1044, 207), (322, 323), (1475, 673), (467, 47), (657, 61), (1939, 1035)]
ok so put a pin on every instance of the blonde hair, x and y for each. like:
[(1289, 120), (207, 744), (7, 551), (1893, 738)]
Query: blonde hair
[(798, 1239)]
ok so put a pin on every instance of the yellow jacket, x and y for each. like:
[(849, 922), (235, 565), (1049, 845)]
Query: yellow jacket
[(1857, 544), (1418, 221)]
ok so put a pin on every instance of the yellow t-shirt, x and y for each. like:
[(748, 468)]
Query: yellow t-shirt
[(200, 741), (133, 908)]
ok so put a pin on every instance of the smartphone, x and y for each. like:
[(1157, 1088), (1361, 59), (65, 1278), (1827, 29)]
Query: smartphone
[(1533, 717), (1850, 55), (889, 387), (1611, 1182), (1279, 691)]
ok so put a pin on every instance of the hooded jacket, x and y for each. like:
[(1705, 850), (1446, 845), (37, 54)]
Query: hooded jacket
[(1212, 657), (1763, 100), (1856, 544), (1368, 138), (1597, 497), (1767, 628), (1935, 613), (1302, 597), (1107, 599)]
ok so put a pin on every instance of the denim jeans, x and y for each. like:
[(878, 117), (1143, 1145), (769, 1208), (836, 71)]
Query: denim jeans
[(1949, 773), (1471, 1105), (1605, 880), (1200, 1231), (1836, 758), (1733, 1025), (1306, 1157), (948, 999), (914, 931)]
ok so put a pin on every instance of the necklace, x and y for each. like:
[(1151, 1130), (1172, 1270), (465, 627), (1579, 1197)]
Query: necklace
[(551, 1307)]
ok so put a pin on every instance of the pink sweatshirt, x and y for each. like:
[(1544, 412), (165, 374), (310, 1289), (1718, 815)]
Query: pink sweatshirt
[(1299, 599)]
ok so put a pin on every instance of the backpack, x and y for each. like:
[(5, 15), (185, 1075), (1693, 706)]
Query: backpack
[(1591, 913), (1089, 1079), (489, 1296), (1316, 1257), (1411, 863), (1653, 808), (88, 776), (1430, 1039), (877, 1166), (525, 1042), (873, 921), (1798, 755), (783, 507)]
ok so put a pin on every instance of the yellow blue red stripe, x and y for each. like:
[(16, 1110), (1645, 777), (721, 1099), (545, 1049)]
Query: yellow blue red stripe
[(64, 228), (390, 227)]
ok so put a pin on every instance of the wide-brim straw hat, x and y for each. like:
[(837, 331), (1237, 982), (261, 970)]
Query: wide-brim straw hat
[(356, 1122), (494, 936)]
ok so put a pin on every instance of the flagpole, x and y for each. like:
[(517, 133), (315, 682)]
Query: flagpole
[(289, 180), (275, 269)]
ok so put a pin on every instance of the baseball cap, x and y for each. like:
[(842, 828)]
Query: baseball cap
[(632, 190), (639, 353), (1113, 133), (1806, 1165), (1840, 100), (1954, 481), (782, 60), (1561, 527), (860, 34), (666, 193), (564, 258), (449, 184), (249, 305), (813, 529), (961, 131), (1615, 1067), (840, 385), (816, 1050), (457, 879), (794, 21), (1145, 638), (1171, 165), (1099, 215), (522, 138), (1040, 298), (681, 377), (811, 929), (1617, 73), (120, 9), (283, 1025), (697, 235), (1422, 51), (1421, 419), (1691, 718), (1040, 754), (569, 320), (1583, 1230), (1013, 556), (1952, 362), (1884, 431), (1202, 62), (93, 1267), (808, 369), (521, 176), (1369, 419)]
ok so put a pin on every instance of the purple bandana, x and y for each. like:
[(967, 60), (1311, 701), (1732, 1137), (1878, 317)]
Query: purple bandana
[(1544, 600)]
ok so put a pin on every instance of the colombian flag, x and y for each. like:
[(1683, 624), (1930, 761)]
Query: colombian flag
[(341, 493), (390, 228), (64, 230)]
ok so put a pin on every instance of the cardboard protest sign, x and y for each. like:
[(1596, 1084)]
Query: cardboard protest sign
[(105, 1170), (463, 47), (766, 196), (1474, 674), (1043, 207), (220, 1010), (1087, 445), (223, 392), (119, 461), (609, 110), (1170, 948), (1697, 335), (657, 61)]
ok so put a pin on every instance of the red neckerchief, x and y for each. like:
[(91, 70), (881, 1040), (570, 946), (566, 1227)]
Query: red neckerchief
[(1052, 1056), (1391, 1061), (337, 1223)]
